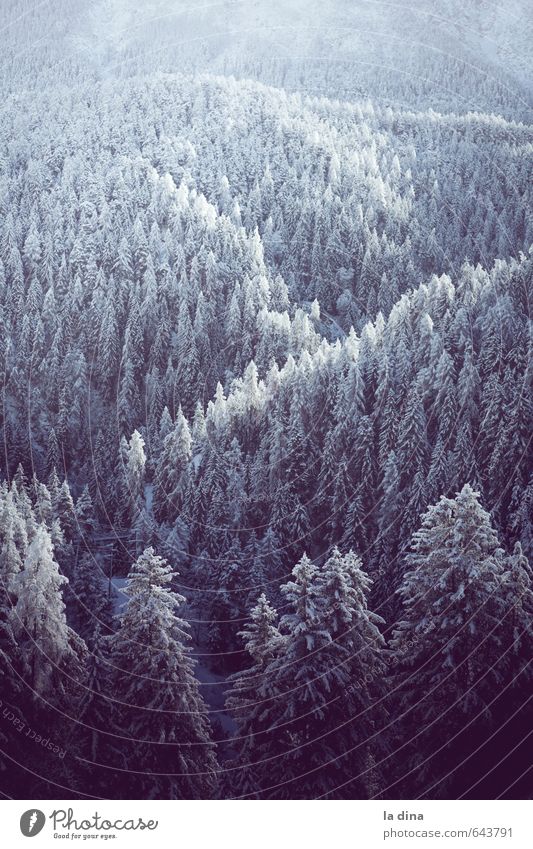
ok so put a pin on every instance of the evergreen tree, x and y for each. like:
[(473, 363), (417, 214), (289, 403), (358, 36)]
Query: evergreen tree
[(96, 710), (134, 474), (263, 642), (160, 706), (89, 592), (447, 650), (85, 517), (171, 469), (51, 652), (311, 690)]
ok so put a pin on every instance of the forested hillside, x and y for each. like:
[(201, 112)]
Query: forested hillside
[(446, 55), (266, 508)]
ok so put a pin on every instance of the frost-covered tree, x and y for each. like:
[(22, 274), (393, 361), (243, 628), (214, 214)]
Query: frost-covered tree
[(314, 340), (89, 597), (85, 515), (98, 735), (51, 652), (171, 469), (134, 472), (314, 697), (10, 566), (263, 642), (449, 649), (159, 704)]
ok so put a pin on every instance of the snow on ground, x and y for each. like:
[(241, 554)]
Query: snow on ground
[(213, 688), (149, 497), (118, 596)]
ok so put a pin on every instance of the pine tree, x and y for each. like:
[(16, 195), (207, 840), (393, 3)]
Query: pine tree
[(160, 705), (187, 374), (98, 746), (263, 642), (89, 593), (447, 649), (134, 474), (64, 510), (171, 470), (51, 651), (517, 582), (227, 604), (13, 542), (310, 690), (345, 589), (53, 453), (10, 566), (85, 516)]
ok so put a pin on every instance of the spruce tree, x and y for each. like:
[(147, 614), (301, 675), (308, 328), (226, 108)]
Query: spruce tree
[(448, 656), (160, 706), (52, 654), (262, 642), (171, 470)]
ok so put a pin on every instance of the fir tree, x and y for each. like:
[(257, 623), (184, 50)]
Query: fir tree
[(447, 648), (51, 652), (160, 706), (263, 642)]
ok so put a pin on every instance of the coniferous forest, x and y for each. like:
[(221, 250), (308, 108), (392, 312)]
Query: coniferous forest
[(266, 491)]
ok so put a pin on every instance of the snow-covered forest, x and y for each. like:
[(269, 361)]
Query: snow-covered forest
[(266, 491)]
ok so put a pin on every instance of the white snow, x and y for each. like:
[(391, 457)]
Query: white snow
[(231, 36), (118, 596), (213, 689)]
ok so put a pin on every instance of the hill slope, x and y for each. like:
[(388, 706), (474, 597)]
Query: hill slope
[(448, 55)]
